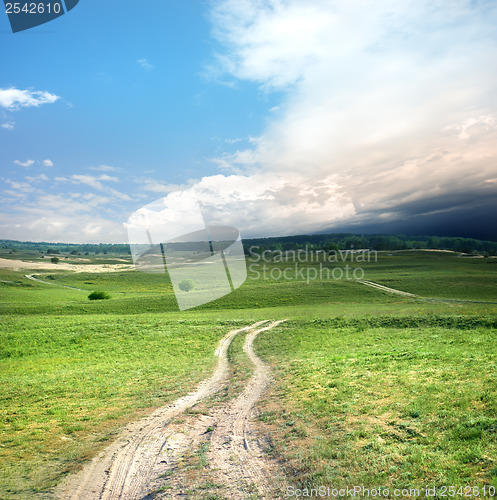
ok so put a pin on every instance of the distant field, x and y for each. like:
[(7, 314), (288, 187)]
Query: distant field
[(437, 274), (428, 274), (371, 386)]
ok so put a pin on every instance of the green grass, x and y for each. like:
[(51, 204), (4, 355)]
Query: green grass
[(429, 274), (390, 402), (70, 381), (374, 385), (436, 274)]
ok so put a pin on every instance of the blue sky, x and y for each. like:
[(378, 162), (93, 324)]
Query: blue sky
[(287, 116)]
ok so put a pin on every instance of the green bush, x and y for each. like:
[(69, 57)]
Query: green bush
[(98, 295), (186, 285)]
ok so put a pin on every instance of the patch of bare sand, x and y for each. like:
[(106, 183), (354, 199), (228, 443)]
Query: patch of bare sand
[(18, 265)]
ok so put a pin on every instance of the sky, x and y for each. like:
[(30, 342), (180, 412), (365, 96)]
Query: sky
[(283, 116)]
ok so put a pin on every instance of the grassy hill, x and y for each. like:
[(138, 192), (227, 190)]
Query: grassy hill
[(370, 387)]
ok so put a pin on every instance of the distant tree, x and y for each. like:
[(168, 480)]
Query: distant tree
[(186, 285), (54, 260), (433, 242), (331, 247)]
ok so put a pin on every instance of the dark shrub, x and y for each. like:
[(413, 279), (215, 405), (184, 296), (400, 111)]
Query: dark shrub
[(98, 295)]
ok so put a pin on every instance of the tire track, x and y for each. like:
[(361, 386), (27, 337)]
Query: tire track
[(126, 468), (387, 289), (234, 436), (32, 277)]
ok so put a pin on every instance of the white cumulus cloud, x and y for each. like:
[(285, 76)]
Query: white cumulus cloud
[(93, 181), (25, 164), (41, 177), (13, 98), (264, 203)]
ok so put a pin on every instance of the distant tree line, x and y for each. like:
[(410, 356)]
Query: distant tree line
[(66, 248), (378, 242), (327, 242)]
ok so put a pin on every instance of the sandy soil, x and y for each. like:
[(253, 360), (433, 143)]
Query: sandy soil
[(18, 265), (147, 451)]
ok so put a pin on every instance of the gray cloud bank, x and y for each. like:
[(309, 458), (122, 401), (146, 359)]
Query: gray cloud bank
[(389, 114)]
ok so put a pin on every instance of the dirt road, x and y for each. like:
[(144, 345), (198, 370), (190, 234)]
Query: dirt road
[(419, 297), (388, 289), (32, 277), (147, 451), (235, 452)]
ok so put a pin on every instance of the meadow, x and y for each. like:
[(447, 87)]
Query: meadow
[(370, 388), (391, 403)]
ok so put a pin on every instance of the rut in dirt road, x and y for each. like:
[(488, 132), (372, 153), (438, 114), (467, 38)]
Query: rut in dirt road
[(235, 452), (145, 448)]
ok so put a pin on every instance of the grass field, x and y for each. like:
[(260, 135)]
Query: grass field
[(371, 388), (394, 402), (70, 381)]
